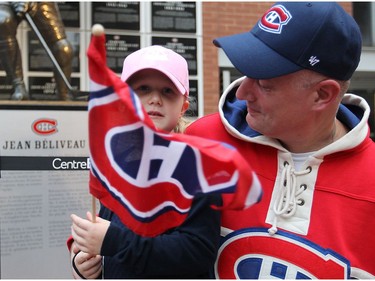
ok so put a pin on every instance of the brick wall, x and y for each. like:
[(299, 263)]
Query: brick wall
[(221, 19)]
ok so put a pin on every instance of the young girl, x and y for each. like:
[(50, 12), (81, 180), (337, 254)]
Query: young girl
[(107, 247)]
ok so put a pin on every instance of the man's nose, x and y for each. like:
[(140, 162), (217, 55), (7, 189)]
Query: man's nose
[(247, 88)]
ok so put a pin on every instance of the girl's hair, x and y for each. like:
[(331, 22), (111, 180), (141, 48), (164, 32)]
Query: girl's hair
[(182, 124), (184, 121)]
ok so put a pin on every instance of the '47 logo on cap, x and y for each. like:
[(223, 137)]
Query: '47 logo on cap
[(274, 19)]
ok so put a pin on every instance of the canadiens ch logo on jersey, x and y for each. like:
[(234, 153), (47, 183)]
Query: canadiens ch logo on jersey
[(254, 254), (274, 19)]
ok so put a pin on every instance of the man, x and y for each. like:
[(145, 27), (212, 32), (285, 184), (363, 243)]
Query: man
[(307, 140)]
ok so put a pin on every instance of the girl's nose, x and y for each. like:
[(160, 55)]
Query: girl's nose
[(155, 97)]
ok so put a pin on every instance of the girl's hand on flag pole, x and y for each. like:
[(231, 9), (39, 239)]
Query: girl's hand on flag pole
[(89, 235)]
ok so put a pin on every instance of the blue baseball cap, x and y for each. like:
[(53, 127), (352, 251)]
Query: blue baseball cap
[(292, 36)]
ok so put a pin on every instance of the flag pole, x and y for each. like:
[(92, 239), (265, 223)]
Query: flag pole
[(93, 208), (97, 30)]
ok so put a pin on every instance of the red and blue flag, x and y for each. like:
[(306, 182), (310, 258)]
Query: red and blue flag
[(148, 177)]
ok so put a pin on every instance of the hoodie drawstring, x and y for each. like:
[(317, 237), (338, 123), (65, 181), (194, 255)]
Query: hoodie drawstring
[(286, 200)]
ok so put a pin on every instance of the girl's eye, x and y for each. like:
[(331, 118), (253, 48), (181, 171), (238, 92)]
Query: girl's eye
[(168, 91), (143, 89)]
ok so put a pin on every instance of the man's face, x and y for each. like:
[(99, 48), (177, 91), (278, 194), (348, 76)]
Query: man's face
[(277, 107)]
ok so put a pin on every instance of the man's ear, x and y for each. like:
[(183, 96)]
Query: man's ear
[(327, 92)]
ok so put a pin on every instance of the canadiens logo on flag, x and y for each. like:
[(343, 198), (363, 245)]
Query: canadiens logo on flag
[(147, 177)]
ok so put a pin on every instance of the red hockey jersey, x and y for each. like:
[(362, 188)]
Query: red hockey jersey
[(329, 233)]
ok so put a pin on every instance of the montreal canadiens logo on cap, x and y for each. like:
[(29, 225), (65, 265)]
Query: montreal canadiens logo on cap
[(274, 19)]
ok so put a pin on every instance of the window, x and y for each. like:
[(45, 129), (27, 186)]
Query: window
[(363, 14)]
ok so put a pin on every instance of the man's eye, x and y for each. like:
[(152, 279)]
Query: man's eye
[(263, 85)]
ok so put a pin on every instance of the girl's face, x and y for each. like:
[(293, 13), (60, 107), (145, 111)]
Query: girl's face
[(160, 98)]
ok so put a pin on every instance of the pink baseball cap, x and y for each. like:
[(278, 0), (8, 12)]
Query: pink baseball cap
[(173, 65)]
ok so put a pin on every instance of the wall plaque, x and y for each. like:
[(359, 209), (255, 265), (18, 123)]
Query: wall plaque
[(118, 48), (174, 16), (120, 15), (186, 47)]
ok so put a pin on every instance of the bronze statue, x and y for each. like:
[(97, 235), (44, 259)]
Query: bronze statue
[(46, 17)]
